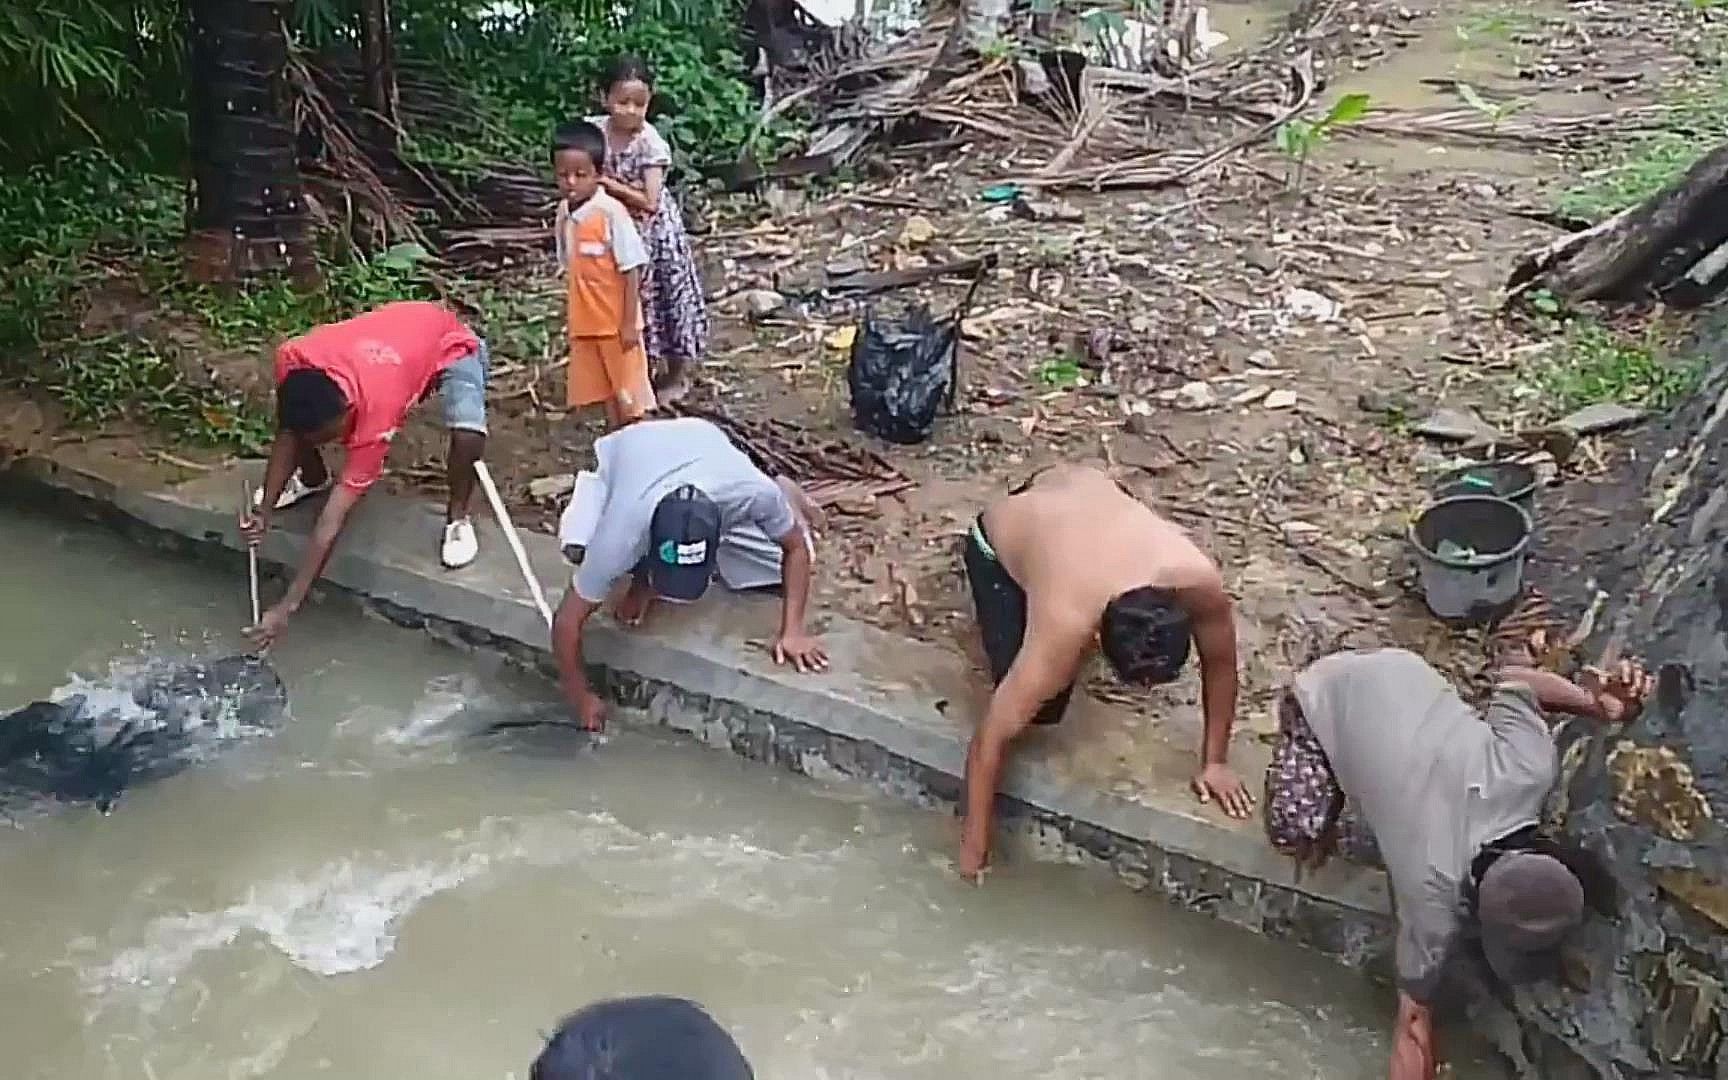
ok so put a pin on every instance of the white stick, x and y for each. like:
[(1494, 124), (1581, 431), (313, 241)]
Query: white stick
[(514, 540), (251, 552)]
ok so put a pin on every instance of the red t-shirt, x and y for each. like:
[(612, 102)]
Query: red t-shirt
[(384, 361)]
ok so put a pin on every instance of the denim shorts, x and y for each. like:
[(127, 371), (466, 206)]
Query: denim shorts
[(463, 388)]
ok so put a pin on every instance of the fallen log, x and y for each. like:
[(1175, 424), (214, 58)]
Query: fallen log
[(1673, 247)]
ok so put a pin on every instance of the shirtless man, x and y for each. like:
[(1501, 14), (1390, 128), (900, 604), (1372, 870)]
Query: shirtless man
[(1069, 559)]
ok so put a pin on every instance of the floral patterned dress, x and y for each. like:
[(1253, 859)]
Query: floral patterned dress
[(674, 308)]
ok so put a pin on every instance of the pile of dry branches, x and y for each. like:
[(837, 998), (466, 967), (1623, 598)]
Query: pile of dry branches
[(368, 185)]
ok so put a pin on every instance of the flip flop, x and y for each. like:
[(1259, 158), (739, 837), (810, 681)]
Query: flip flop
[(295, 491)]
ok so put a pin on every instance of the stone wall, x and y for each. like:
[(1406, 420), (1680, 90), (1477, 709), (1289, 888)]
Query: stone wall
[(1645, 995)]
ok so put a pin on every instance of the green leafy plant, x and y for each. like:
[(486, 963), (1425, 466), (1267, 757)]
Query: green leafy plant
[(1062, 372), (1299, 138)]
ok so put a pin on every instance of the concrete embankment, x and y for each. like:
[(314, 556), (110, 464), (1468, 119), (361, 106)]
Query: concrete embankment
[(1105, 784)]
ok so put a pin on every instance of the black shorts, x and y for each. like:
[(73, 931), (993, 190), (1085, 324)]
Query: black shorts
[(1000, 603)]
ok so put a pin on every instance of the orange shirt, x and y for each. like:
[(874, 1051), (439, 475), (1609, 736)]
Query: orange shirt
[(600, 245), (384, 362)]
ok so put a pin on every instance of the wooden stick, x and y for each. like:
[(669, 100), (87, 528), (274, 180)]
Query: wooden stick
[(251, 551), (515, 541)]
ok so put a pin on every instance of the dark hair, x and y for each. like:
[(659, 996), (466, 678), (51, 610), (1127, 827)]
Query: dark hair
[(1145, 635), (625, 68), (307, 401), (583, 136), (640, 1038)]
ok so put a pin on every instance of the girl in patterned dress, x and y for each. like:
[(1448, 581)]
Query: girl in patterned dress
[(674, 310)]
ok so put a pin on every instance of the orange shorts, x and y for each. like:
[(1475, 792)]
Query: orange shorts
[(601, 370)]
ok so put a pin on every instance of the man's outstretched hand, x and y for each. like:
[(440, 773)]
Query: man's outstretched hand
[(1220, 784), (802, 651), (1619, 692), (974, 855), (589, 711)]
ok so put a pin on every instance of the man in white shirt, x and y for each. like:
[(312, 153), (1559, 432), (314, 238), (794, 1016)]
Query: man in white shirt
[(681, 506)]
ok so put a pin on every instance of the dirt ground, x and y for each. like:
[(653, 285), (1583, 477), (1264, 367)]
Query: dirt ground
[(1252, 360)]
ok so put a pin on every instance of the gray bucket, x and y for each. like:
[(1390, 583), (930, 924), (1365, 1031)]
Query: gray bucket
[(1470, 550), (1509, 480)]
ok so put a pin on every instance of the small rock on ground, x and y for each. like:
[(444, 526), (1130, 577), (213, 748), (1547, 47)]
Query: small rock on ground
[(1455, 425), (1601, 417)]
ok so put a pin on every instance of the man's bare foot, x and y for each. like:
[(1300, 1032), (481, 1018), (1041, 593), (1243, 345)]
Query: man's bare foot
[(633, 606)]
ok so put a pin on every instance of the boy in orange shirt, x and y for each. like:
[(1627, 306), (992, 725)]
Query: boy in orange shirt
[(603, 256)]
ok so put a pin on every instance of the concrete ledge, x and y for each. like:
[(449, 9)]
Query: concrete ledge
[(892, 711)]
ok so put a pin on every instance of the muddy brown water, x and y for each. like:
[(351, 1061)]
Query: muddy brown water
[(373, 892)]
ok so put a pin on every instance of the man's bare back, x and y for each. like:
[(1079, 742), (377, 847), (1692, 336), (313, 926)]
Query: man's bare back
[(1075, 539), (1070, 563)]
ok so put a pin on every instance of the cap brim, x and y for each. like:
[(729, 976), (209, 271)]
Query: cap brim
[(1515, 968), (683, 583)]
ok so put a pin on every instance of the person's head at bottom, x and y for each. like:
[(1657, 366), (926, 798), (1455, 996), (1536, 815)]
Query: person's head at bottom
[(641, 1038), (1145, 636), (683, 544), (1526, 904), (312, 406)]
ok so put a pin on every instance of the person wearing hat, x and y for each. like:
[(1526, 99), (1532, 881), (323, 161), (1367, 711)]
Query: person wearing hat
[(677, 506), (1453, 798), (641, 1038)]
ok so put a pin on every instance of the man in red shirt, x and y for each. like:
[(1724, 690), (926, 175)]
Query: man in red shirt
[(354, 382)]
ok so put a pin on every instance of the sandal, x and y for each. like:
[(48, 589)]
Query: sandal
[(295, 491)]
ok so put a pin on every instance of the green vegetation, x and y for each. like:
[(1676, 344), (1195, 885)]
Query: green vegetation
[(94, 310), (1061, 373), (1625, 171), (1592, 363), (1299, 138)]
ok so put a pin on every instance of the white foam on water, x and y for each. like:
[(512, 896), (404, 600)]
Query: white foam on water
[(344, 916)]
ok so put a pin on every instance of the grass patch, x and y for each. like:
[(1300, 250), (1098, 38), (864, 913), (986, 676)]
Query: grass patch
[(1594, 364), (1625, 172)]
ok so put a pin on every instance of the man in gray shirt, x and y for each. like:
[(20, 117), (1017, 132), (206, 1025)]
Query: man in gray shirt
[(1453, 798), (683, 504)]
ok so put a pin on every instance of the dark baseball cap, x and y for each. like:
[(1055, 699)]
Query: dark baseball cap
[(683, 543), (1526, 905), (641, 1038)]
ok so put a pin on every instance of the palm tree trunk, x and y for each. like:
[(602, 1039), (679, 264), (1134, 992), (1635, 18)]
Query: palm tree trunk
[(378, 63), (247, 217)]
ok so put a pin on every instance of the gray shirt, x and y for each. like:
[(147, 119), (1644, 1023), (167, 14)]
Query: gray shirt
[(1432, 778), (641, 463)]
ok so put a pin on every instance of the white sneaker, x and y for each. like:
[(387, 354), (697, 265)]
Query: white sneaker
[(460, 544), (295, 490)]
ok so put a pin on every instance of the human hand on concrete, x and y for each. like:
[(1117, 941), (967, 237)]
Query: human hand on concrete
[(802, 651), (1219, 783)]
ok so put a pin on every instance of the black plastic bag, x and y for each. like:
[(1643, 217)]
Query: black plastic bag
[(901, 373)]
